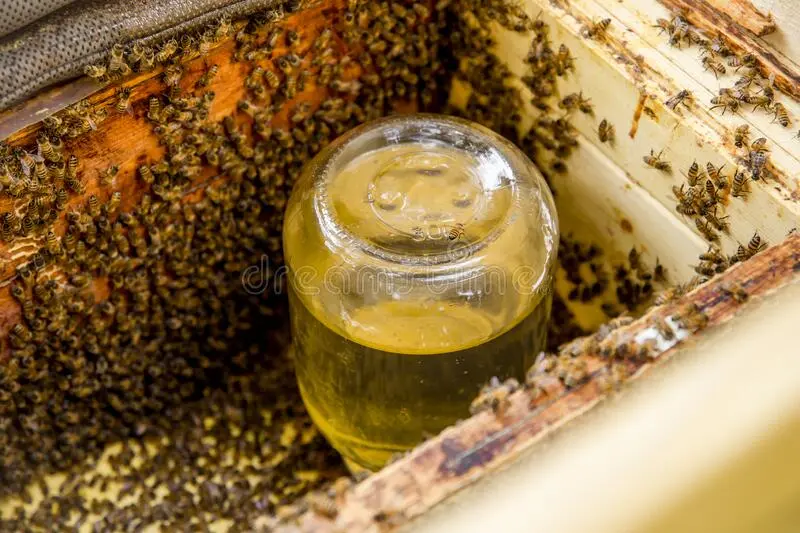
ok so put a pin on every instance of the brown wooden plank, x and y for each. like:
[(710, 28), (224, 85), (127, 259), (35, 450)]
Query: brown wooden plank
[(461, 454), (746, 15)]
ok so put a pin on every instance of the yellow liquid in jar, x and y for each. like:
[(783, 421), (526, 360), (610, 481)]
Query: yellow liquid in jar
[(404, 372)]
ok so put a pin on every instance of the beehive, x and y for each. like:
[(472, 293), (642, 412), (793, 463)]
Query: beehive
[(126, 317)]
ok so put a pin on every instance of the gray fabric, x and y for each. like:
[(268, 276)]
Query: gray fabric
[(57, 47), (15, 14)]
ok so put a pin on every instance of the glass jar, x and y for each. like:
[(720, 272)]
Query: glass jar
[(420, 253)]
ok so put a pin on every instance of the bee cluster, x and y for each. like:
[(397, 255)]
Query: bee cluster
[(750, 87), (590, 277), (140, 330)]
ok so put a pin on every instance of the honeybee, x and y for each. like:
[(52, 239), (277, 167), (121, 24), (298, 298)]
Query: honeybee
[(680, 31), (494, 396), (781, 115), (741, 135), (207, 76), (759, 145), (715, 174), (706, 230), (758, 101), (719, 223), (694, 174), (564, 62), (664, 25), (755, 245), (154, 111), (757, 161), (735, 291), (597, 29), (97, 72), (576, 101), (714, 66), (654, 160), (678, 99), (739, 189), (46, 148), (456, 232), (166, 51), (725, 101), (113, 202), (746, 60), (107, 177), (605, 131)]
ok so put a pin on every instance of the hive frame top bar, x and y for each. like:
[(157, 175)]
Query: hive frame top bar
[(57, 47)]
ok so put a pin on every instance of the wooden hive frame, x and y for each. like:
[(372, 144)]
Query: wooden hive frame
[(636, 65)]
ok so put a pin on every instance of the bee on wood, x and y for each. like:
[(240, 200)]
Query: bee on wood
[(759, 145), (654, 160), (736, 292), (714, 66), (166, 51), (739, 189), (207, 76), (46, 148), (755, 245), (107, 177), (741, 134), (123, 102), (605, 131), (781, 115), (664, 25), (292, 38), (113, 202), (719, 223), (684, 204), (725, 101), (597, 29), (154, 111), (757, 161), (576, 101), (694, 174), (746, 60), (706, 230), (680, 98), (758, 101), (494, 396), (706, 269), (680, 31), (713, 255), (96, 72), (693, 318), (564, 62)]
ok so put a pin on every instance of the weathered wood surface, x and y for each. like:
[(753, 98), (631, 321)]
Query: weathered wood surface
[(705, 15), (744, 13), (461, 454)]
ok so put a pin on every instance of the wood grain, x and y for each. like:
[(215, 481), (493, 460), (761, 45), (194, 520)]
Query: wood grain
[(746, 15), (706, 16)]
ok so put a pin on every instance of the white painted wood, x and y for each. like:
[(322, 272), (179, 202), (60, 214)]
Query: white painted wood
[(708, 443), (684, 136)]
